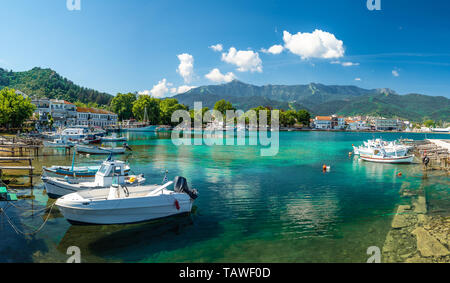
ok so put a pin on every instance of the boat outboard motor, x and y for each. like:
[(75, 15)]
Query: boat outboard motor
[(181, 186)]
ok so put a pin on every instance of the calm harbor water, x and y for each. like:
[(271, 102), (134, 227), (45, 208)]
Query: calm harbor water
[(250, 209)]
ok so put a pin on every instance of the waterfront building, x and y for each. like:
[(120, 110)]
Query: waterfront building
[(323, 122), (62, 112), (66, 114), (95, 117), (337, 122), (382, 124)]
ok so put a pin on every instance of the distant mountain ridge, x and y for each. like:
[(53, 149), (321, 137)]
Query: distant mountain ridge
[(46, 82), (317, 98), (323, 99)]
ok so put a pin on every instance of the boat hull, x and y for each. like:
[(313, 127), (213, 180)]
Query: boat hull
[(99, 150), (141, 129), (125, 210), (392, 160), (59, 189)]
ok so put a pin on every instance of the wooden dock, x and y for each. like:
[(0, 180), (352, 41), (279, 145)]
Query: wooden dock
[(436, 150), (17, 167)]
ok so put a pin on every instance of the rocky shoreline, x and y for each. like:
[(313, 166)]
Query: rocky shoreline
[(415, 236)]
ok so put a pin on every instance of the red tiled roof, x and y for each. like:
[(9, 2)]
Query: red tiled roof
[(93, 110), (323, 118)]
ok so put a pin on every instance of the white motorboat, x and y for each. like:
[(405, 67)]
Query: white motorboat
[(121, 204), (387, 159), (80, 173), (58, 143), (114, 139), (100, 150), (150, 128), (109, 172)]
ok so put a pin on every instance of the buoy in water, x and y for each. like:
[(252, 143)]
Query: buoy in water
[(399, 174)]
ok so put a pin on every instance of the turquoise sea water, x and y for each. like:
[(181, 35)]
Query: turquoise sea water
[(250, 209)]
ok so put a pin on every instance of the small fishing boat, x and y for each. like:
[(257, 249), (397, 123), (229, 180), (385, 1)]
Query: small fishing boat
[(109, 171), (387, 159), (100, 150), (92, 140), (121, 204), (85, 173), (58, 143), (150, 128), (114, 139)]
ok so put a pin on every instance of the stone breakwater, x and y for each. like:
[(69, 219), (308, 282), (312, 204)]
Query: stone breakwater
[(416, 237)]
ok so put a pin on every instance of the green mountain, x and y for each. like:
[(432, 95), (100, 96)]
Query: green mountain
[(323, 100), (47, 83)]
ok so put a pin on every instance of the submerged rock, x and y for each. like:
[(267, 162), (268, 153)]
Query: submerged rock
[(427, 245)]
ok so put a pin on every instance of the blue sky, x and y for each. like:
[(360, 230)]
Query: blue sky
[(133, 45)]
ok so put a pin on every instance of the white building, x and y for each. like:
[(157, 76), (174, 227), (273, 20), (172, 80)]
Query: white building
[(66, 114), (387, 124), (95, 117), (62, 112), (323, 122)]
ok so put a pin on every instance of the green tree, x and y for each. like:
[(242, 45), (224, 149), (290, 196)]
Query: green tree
[(222, 106), (167, 107), (151, 104), (14, 109), (288, 118), (198, 115), (269, 116), (303, 117), (122, 105), (50, 120), (429, 123)]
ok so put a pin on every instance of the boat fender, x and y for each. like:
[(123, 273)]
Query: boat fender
[(177, 204)]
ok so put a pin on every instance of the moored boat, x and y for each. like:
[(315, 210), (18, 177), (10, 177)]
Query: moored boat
[(58, 143), (85, 173), (120, 204), (109, 172), (114, 139), (387, 159), (100, 150)]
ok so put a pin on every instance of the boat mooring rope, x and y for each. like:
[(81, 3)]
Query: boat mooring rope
[(18, 231)]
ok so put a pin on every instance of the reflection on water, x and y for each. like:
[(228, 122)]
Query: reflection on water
[(250, 208), (132, 242)]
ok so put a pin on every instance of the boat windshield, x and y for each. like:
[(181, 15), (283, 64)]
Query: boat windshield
[(103, 169)]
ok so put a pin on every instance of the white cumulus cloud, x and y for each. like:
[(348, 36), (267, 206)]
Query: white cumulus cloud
[(159, 90), (275, 49), (318, 44), (186, 67), (395, 73), (245, 60), (216, 76), (218, 47)]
